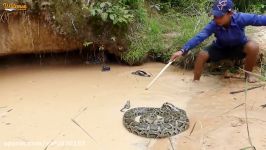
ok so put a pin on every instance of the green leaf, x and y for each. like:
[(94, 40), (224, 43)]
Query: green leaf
[(99, 11), (115, 21), (108, 3), (93, 12), (104, 16), (112, 17), (102, 5)]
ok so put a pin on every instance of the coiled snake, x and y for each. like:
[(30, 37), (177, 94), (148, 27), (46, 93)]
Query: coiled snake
[(156, 122)]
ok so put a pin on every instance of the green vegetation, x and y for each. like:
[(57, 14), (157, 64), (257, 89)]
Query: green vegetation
[(183, 19), (117, 13), (254, 6), (157, 34)]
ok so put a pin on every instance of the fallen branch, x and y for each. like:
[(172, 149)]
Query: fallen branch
[(254, 74), (192, 128), (83, 110), (51, 141), (234, 108), (171, 143), (246, 116), (251, 88), (74, 121), (46, 147), (263, 106), (248, 148), (9, 110)]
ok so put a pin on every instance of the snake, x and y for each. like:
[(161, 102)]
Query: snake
[(151, 122), (141, 73)]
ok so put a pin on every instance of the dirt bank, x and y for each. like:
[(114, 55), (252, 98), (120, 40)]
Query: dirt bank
[(21, 33)]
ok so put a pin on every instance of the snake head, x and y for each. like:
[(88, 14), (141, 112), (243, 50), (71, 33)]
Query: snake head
[(169, 106)]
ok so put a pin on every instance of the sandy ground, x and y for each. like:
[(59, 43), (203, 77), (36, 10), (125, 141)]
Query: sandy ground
[(260, 36)]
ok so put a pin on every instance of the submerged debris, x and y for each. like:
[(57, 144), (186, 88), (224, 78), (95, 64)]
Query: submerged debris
[(106, 68)]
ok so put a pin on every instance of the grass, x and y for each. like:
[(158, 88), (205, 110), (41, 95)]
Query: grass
[(145, 35), (148, 38), (154, 34)]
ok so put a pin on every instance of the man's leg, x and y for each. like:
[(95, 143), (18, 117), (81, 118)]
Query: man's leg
[(251, 50), (202, 58)]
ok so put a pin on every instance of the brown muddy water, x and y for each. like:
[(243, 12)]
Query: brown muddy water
[(39, 100)]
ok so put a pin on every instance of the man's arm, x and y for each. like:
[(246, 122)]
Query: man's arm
[(200, 37), (252, 19)]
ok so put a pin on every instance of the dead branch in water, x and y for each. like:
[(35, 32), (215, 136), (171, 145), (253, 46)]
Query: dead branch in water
[(192, 128), (75, 122), (234, 108), (254, 74), (82, 111), (246, 116), (248, 89), (248, 148), (263, 106), (171, 143), (47, 146)]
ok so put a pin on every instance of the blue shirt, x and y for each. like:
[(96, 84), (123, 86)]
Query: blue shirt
[(232, 36)]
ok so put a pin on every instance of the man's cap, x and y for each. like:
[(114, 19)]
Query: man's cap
[(221, 7)]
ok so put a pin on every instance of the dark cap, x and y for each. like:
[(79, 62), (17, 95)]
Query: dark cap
[(221, 7)]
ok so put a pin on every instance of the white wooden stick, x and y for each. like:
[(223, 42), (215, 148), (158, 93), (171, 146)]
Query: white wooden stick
[(159, 74)]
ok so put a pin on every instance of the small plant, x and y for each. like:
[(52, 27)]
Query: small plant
[(116, 13)]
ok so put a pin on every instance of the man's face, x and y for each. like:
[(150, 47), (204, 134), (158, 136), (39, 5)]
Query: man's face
[(224, 20)]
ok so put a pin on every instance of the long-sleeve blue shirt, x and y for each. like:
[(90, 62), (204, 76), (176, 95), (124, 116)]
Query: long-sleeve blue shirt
[(232, 36)]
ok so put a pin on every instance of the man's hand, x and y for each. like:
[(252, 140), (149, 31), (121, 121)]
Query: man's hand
[(176, 55)]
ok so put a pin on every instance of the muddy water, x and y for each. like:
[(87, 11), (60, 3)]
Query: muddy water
[(38, 103)]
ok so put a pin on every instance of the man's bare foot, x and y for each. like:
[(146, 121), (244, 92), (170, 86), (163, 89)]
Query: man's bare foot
[(251, 79), (195, 81), (195, 87)]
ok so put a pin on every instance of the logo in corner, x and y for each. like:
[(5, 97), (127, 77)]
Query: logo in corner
[(14, 7)]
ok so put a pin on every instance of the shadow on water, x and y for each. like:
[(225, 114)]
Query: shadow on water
[(78, 57)]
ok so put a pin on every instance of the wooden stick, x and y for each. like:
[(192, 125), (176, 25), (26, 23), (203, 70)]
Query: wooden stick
[(263, 106), (251, 88), (247, 148), (254, 74), (192, 128), (233, 108), (46, 147), (159, 74), (75, 122), (171, 143)]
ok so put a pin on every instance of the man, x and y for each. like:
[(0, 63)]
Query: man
[(231, 41)]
